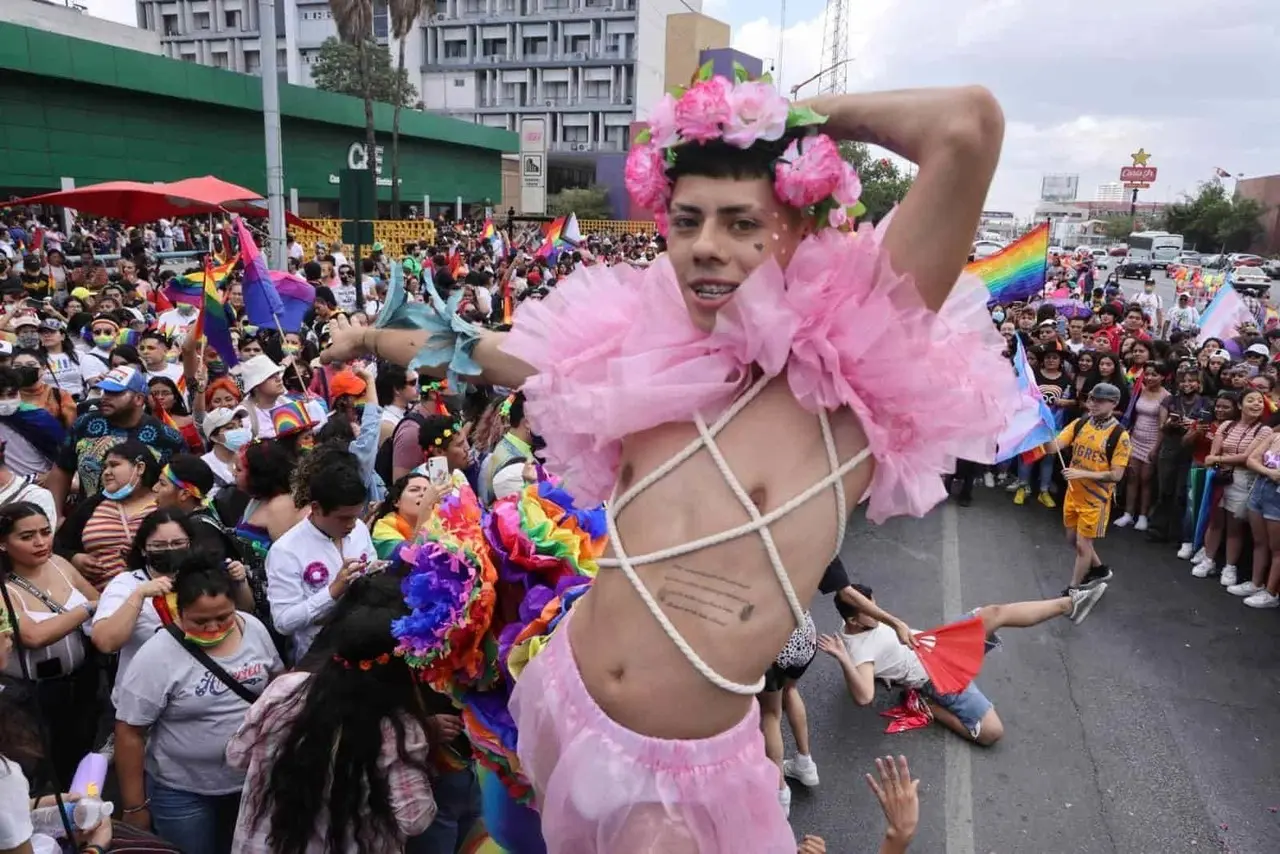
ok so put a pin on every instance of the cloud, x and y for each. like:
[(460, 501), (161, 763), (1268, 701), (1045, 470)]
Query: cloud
[(1081, 88), (120, 11)]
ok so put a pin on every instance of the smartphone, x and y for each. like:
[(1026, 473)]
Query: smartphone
[(438, 471)]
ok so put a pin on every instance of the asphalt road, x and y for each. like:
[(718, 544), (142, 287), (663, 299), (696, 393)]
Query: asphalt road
[(1152, 728)]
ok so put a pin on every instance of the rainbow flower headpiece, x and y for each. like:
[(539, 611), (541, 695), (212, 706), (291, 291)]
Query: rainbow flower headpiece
[(810, 174)]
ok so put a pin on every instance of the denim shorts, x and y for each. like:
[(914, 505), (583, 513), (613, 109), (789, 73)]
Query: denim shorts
[(1264, 499), (970, 705)]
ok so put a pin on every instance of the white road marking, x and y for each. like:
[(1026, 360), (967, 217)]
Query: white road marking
[(959, 772)]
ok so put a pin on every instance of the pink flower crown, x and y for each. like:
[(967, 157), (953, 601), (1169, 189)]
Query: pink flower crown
[(810, 174)]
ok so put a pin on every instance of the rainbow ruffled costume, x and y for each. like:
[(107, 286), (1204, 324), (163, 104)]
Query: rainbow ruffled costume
[(486, 589)]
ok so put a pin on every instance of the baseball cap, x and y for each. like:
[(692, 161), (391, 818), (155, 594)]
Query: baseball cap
[(26, 319), (81, 293), (123, 379), (1105, 391), (345, 382), (1258, 350), (219, 418)]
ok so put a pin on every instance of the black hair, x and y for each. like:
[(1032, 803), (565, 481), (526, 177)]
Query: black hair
[(391, 378), (848, 610), (431, 435), (193, 470), (152, 521), (267, 466), (10, 381), (200, 574), (337, 429), (335, 481), (719, 159), (135, 451), (388, 504), (179, 401), (330, 756), (155, 335), (325, 295), (515, 415), (127, 352)]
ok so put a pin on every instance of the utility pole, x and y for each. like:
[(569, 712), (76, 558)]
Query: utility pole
[(276, 253)]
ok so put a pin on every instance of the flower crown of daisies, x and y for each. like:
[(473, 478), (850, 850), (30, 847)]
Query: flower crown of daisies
[(810, 174)]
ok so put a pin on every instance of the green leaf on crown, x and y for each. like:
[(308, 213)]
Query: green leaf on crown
[(804, 117), (644, 136), (767, 77), (739, 73), (858, 210), (677, 92), (706, 70)]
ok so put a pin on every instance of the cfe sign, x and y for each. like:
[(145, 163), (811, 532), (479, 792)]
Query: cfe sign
[(358, 157)]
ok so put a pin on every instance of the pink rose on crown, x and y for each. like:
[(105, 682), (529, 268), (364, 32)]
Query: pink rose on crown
[(757, 112), (809, 171), (662, 123), (850, 189), (646, 176), (703, 109)]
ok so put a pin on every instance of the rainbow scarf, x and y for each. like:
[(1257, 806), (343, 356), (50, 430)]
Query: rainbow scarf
[(1017, 271), (389, 533)]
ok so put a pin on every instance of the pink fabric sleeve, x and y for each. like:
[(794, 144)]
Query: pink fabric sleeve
[(412, 802), (929, 387)]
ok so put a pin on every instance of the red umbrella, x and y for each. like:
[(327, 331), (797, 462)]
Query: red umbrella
[(232, 198), (129, 201), (952, 654)]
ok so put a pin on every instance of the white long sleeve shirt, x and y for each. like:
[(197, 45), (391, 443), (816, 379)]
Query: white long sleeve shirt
[(300, 600)]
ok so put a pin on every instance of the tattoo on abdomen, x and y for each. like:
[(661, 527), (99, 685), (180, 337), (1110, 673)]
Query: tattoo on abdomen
[(708, 595)]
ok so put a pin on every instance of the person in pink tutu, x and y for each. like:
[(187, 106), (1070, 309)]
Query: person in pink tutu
[(732, 402)]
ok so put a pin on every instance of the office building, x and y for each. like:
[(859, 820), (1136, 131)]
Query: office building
[(76, 22), (1059, 188), (1109, 191)]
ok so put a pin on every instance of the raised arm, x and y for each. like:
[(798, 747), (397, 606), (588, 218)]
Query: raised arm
[(954, 135)]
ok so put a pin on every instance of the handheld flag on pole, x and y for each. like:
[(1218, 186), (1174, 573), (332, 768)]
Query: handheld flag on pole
[(261, 300), (213, 323), (1225, 313), (1017, 271), (1031, 423)]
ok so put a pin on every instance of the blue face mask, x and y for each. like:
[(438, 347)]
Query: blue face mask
[(997, 316), (236, 438), (119, 494)]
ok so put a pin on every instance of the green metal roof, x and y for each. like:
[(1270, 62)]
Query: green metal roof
[(38, 52)]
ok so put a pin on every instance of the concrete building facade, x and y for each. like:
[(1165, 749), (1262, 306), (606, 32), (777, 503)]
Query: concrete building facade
[(72, 21), (1266, 190)]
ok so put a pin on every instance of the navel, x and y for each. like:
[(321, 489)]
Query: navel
[(759, 496)]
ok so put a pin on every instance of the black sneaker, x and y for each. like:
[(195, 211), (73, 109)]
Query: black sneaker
[(1097, 575), (964, 499), (1083, 600)]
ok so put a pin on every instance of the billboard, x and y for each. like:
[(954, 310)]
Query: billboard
[(1059, 188)]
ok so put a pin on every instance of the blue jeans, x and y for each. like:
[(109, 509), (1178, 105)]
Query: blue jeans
[(197, 824), (457, 797), (1045, 468)]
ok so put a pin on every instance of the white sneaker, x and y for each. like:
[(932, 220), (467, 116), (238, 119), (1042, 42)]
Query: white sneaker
[(1141, 524), (1184, 553), (1204, 569), (784, 798), (989, 480), (1263, 599), (1229, 576), (1124, 521), (802, 769), (1248, 588), (1200, 556), (1013, 485)]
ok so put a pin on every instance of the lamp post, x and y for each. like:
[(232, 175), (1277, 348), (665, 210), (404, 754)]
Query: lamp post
[(796, 88), (271, 131)]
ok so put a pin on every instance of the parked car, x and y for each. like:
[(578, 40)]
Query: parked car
[(1188, 258), (1131, 269), (1101, 259), (1213, 262), (1244, 259), (984, 249), (1272, 268), (1118, 251), (1250, 277)]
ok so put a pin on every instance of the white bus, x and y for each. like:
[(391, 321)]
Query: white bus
[(1160, 247)]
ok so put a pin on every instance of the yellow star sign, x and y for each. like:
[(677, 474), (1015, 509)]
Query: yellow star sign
[(1140, 157)]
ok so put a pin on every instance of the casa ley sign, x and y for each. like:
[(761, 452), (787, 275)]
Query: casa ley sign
[(358, 158)]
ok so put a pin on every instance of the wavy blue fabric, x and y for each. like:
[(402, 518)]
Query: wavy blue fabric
[(450, 339)]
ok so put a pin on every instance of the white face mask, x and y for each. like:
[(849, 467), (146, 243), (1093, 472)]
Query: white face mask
[(8, 407)]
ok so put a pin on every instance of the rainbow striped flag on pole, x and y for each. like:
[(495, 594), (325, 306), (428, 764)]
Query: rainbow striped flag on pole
[(213, 323), (1017, 271)]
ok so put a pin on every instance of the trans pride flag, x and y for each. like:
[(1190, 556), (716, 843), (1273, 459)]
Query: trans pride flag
[(1031, 422), (1017, 271)]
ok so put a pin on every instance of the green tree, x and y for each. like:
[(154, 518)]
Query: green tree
[(588, 203), (883, 183), (404, 15), (1118, 228), (1211, 221), (337, 69)]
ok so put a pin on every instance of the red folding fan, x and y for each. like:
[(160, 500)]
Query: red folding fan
[(952, 654)]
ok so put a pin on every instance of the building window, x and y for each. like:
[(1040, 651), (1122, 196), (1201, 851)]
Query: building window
[(201, 20), (282, 59), (381, 26), (536, 48), (580, 44), (575, 134), (473, 7), (455, 50), (459, 82), (170, 25), (597, 90), (494, 48), (233, 20), (252, 62), (221, 60)]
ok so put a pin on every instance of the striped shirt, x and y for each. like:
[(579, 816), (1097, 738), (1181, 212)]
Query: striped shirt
[(108, 537)]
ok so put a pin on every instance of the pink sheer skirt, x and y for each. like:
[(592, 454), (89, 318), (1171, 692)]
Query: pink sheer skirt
[(603, 788)]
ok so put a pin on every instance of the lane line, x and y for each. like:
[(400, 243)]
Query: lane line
[(959, 771)]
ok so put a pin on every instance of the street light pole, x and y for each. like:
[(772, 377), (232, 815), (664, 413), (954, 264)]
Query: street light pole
[(271, 132), (796, 88)]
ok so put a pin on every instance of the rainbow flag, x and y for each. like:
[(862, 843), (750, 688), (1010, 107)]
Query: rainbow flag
[(190, 288), (553, 241), (1017, 271), (489, 231), (213, 323)]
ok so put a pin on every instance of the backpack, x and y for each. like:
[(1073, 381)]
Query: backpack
[(1113, 438), (386, 451)]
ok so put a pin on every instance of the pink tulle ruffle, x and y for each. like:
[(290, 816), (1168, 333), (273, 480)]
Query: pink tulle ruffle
[(616, 354)]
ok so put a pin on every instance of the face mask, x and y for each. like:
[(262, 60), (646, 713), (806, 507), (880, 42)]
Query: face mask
[(9, 407), (166, 563), (120, 494), (997, 316), (27, 375), (210, 639), (236, 438), (103, 342), (30, 340)]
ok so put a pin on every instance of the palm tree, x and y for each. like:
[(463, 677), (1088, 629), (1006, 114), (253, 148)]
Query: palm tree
[(404, 14), (354, 19)]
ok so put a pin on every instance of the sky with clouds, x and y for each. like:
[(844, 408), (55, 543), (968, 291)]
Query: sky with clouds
[(1083, 84)]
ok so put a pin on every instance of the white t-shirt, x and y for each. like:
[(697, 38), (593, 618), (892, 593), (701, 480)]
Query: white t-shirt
[(92, 366), (65, 374), (114, 597), (15, 806), (345, 296), (170, 370), (1150, 303), (174, 322), (22, 489), (221, 470), (892, 660)]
